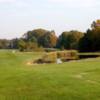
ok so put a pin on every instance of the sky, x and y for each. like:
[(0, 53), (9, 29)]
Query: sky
[(19, 16)]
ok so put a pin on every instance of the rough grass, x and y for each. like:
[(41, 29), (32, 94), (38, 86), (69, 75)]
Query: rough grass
[(68, 81)]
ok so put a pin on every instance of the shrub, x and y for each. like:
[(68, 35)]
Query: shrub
[(50, 57), (67, 55), (74, 54)]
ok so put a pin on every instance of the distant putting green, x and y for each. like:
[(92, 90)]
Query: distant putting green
[(76, 80)]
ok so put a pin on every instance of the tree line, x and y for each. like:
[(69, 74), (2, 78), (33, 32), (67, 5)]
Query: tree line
[(39, 39)]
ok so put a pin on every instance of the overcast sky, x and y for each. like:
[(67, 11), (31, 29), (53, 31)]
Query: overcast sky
[(19, 16)]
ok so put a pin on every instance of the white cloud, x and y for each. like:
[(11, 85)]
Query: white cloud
[(16, 3), (6, 1), (77, 3)]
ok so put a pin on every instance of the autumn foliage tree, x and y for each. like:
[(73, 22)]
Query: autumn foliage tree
[(41, 37), (91, 40), (48, 40)]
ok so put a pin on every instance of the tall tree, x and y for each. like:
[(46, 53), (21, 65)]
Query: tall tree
[(91, 40), (48, 40), (69, 40)]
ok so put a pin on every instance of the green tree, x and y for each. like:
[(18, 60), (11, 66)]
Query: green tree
[(14, 43), (91, 40), (69, 40), (36, 34), (22, 45), (4, 44), (48, 40), (42, 37)]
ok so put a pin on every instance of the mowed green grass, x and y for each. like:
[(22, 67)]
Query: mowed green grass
[(77, 80)]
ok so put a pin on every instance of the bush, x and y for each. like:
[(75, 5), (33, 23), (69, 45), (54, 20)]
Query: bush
[(50, 57), (67, 55)]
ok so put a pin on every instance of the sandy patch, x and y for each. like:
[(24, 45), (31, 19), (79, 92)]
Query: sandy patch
[(29, 63), (78, 76)]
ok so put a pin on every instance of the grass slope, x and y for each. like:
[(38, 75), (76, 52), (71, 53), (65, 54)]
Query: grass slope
[(68, 81)]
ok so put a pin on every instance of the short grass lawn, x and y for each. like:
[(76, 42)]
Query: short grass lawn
[(76, 80)]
